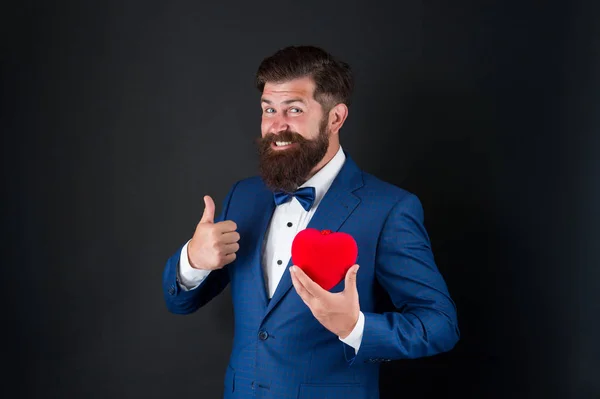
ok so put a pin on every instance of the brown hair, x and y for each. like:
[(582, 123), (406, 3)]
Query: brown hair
[(333, 78)]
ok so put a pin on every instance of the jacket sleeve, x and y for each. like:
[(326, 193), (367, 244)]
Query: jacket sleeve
[(425, 322), (179, 301)]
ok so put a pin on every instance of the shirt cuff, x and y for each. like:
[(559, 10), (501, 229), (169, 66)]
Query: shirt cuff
[(188, 277), (355, 337)]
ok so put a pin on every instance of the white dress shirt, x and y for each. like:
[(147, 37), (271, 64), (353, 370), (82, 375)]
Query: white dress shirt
[(288, 219)]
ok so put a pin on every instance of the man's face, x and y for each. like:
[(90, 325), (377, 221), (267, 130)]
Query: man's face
[(294, 135)]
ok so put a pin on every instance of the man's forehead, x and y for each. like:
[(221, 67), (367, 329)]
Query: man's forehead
[(303, 87)]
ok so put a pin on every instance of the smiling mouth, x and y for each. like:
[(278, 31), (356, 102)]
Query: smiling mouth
[(282, 145)]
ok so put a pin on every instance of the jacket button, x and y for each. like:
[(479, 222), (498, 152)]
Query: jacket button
[(171, 290), (263, 335)]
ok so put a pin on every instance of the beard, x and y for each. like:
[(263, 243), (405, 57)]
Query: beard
[(285, 170)]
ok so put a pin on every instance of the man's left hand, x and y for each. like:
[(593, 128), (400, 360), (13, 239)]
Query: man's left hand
[(337, 312)]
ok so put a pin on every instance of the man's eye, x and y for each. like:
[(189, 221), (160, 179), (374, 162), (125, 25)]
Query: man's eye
[(295, 110), (268, 110)]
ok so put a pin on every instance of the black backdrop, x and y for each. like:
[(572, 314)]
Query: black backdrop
[(117, 117)]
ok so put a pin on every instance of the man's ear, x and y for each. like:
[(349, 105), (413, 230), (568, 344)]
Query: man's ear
[(337, 117)]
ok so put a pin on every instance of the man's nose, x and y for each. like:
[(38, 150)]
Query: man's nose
[(278, 124)]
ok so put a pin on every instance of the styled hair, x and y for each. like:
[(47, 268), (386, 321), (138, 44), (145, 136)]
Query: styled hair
[(333, 78)]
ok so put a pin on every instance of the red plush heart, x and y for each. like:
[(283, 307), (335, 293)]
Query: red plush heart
[(324, 256)]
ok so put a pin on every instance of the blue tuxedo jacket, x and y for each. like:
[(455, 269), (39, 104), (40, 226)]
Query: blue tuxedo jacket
[(279, 349)]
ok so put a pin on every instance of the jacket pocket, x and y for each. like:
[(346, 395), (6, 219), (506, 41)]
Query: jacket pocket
[(332, 391), (229, 379)]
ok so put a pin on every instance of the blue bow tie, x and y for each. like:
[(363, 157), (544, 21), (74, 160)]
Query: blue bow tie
[(304, 195)]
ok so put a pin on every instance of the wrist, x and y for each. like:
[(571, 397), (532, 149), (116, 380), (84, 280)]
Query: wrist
[(350, 327), (190, 261)]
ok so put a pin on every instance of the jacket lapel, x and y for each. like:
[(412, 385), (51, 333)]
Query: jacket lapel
[(264, 206), (335, 207)]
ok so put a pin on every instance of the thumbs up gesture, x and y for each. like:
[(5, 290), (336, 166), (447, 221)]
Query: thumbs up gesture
[(213, 245)]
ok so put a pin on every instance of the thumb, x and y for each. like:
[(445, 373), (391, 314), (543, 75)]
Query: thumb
[(209, 210), (350, 283)]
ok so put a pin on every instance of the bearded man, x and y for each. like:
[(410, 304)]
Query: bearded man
[(308, 342)]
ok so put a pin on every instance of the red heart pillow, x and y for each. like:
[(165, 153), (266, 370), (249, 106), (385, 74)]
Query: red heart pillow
[(324, 256)]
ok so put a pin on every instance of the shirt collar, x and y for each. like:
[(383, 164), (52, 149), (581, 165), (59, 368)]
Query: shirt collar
[(323, 179)]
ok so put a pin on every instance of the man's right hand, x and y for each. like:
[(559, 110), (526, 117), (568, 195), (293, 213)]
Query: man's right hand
[(214, 244)]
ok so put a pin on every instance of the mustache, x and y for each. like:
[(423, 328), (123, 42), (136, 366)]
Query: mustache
[(284, 136)]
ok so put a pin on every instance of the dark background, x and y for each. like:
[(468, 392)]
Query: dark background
[(117, 117)]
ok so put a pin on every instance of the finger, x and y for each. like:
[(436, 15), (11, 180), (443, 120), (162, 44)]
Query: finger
[(209, 210), (350, 283), (301, 290), (313, 288), (230, 248), (227, 259), (230, 238), (226, 226)]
